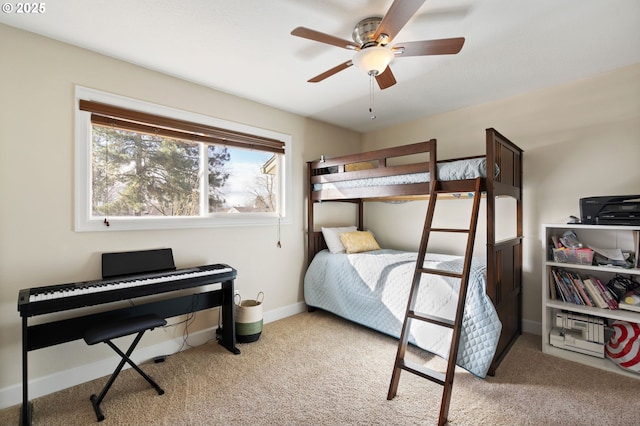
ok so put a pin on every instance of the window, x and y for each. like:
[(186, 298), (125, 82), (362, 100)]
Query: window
[(144, 166)]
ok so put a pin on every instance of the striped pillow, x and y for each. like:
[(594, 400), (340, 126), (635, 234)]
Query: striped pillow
[(623, 347)]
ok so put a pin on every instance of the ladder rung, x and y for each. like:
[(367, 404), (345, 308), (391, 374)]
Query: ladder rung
[(421, 316), (422, 371), (462, 231), (440, 272), (459, 190), (457, 187)]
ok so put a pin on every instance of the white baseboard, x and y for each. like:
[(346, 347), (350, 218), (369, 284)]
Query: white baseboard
[(532, 327), (284, 312), (40, 386)]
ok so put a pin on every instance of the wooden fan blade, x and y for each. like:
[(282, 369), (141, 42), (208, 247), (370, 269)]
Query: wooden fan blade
[(331, 72), (386, 79), (397, 16), (324, 38), (445, 46)]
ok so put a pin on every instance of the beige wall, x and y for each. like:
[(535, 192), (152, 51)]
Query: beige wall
[(38, 245), (581, 139)]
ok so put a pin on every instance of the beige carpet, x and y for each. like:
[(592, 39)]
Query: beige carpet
[(314, 368)]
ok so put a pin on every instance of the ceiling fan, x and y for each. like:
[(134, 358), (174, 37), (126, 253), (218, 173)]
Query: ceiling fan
[(371, 38)]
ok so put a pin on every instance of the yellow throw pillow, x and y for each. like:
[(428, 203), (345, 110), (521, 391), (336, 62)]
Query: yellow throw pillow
[(358, 241)]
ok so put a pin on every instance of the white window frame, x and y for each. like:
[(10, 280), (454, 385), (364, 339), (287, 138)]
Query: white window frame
[(84, 222)]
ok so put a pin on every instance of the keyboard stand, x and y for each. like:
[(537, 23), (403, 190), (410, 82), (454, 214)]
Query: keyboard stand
[(53, 333)]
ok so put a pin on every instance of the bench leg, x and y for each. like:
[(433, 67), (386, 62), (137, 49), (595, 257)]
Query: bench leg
[(125, 358), (96, 400)]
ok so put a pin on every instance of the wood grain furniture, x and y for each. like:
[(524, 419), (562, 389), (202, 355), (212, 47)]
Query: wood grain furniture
[(504, 257)]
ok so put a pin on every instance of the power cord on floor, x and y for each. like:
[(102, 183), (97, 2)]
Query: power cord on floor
[(219, 329)]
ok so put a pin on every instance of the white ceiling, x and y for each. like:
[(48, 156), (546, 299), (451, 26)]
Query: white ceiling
[(244, 47)]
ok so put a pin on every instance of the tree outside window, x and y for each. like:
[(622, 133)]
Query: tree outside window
[(136, 174)]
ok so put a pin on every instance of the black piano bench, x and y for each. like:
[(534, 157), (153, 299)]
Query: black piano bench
[(106, 332)]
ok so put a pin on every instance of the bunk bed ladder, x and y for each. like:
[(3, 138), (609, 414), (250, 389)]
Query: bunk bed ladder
[(444, 379)]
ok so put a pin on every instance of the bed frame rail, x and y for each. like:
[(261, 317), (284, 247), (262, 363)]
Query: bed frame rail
[(372, 164)]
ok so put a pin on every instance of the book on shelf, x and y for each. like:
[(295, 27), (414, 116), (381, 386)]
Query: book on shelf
[(636, 248), (562, 288), (561, 285), (595, 294), (580, 290), (606, 294), (553, 293), (635, 307), (577, 282), (575, 294)]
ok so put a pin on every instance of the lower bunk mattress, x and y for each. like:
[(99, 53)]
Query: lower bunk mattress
[(372, 289)]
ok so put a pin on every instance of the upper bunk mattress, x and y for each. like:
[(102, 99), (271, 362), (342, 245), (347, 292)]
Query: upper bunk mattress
[(448, 170)]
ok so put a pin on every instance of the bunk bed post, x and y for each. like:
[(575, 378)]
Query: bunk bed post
[(310, 237), (360, 214), (520, 230), (491, 214), (433, 160), (504, 258), (492, 277)]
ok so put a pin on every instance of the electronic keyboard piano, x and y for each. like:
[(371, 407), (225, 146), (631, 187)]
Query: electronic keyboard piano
[(62, 297), (126, 276)]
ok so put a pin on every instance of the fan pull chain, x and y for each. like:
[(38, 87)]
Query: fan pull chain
[(371, 88)]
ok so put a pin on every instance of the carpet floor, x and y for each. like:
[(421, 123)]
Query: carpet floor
[(316, 368)]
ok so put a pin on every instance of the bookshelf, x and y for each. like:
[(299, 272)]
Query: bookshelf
[(601, 236)]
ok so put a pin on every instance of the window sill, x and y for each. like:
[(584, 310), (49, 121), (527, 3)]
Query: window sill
[(147, 223)]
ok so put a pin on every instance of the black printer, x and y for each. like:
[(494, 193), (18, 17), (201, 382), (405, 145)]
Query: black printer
[(611, 210)]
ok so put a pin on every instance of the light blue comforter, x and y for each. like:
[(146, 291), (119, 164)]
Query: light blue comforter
[(372, 289)]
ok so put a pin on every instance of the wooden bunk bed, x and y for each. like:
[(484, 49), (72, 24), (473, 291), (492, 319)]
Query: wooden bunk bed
[(503, 258)]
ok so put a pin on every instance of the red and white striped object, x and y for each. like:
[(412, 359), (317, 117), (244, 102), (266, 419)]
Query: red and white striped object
[(624, 346)]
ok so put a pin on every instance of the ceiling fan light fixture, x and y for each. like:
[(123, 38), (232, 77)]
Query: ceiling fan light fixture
[(373, 60)]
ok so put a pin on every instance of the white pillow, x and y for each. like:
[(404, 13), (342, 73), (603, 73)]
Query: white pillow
[(332, 237)]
